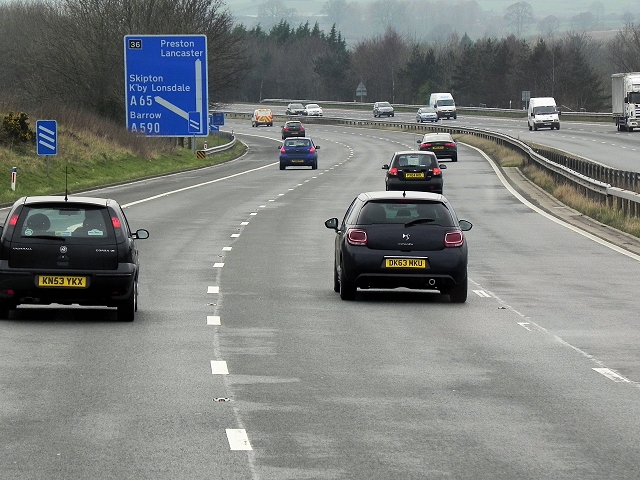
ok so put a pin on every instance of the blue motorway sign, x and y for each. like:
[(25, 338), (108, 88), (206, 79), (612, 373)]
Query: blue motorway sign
[(46, 137), (166, 87), (217, 118)]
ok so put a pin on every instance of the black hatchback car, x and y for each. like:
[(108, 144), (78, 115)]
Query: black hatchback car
[(394, 239), (441, 143), (414, 170), (293, 128), (69, 250)]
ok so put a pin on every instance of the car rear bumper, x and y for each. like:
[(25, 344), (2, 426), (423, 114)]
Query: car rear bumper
[(292, 162), (433, 185), (365, 267), (18, 286)]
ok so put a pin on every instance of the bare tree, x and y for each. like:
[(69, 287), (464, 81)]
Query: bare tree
[(624, 49), (549, 26), (519, 15)]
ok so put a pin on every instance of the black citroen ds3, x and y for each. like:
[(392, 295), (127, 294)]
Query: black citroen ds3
[(69, 250)]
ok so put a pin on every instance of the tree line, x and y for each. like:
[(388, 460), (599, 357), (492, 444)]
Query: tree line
[(71, 52)]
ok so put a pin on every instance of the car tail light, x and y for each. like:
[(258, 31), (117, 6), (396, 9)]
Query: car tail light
[(393, 171), (312, 150), (437, 172), (355, 236), (449, 144), (13, 220), (285, 128), (453, 239), (115, 221), (301, 128), (282, 150), (425, 145)]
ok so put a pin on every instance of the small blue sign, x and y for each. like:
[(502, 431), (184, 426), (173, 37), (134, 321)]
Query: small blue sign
[(46, 137), (217, 118), (166, 87)]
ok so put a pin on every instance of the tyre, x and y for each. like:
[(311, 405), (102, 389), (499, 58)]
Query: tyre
[(4, 310), (458, 294), (282, 166), (315, 165), (530, 128), (336, 280), (454, 159), (127, 308), (535, 127), (347, 289)]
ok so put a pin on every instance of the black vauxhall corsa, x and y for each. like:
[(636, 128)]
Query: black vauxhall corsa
[(69, 250), (400, 239)]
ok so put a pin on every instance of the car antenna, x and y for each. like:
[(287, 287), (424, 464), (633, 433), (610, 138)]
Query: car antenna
[(66, 183)]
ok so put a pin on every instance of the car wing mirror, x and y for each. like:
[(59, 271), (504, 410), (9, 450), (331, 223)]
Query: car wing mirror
[(442, 166), (419, 141), (141, 234), (332, 223), (317, 147), (465, 225)]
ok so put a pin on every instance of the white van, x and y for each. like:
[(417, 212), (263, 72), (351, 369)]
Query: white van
[(542, 112), (444, 105)]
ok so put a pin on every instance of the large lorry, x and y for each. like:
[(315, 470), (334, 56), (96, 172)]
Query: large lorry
[(444, 105), (542, 112), (625, 100)]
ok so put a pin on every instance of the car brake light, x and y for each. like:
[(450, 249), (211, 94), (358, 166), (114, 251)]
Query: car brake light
[(393, 171), (115, 221), (449, 144), (286, 128), (426, 145), (282, 150), (436, 172), (453, 239), (301, 128), (13, 220), (356, 236), (312, 150)]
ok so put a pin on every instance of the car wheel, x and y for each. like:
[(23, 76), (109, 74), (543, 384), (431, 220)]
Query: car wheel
[(458, 294), (4, 310), (315, 165), (127, 308), (347, 289), (558, 126), (336, 280), (282, 166), (530, 128), (454, 159)]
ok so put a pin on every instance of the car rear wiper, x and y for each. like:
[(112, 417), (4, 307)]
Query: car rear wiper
[(46, 237), (419, 220)]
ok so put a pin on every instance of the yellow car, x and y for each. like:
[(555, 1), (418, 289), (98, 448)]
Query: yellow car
[(262, 116)]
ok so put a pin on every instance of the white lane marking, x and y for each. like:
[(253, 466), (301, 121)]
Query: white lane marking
[(482, 293), (548, 215), (235, 235), (213, 320), (253, 213), (611, 375), (219, 367), (218, 265), (525, 325), (226, 249), (262, 206), (213, 289), (179, 190), (244, 223), (238, 439)]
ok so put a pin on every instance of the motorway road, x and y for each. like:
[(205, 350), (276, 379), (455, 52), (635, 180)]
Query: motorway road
[(243, 363)]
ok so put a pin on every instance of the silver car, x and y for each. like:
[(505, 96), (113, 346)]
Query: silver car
[(426, 114)]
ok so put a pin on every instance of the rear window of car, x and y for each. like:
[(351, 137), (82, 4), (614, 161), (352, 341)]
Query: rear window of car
[(77, 222), (293, 124), (437, 137), (297, 143), (402, 212), (414, 160)]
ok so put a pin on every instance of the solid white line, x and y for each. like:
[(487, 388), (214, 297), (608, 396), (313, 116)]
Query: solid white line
[(549, 216), (213, 289), (481, 293), (238, 439), (611, 375), (219, 367), (213, 320)]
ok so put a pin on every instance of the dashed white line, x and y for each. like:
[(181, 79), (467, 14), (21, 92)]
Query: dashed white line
[(218, 265), (219, 367), (235, 235), (238, 439), (213, 289), (213, 320), (226, 249), (244, 223)]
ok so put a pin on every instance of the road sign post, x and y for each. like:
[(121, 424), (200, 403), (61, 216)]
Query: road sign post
[(166, 87), (361, 91)]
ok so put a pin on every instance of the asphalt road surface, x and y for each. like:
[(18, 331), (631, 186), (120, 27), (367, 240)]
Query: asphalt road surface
[(243, 363)]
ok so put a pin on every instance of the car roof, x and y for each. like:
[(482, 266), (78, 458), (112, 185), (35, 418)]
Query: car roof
[(312, 105), (69, 200), (413, 152), (437, 135), (400, 195)]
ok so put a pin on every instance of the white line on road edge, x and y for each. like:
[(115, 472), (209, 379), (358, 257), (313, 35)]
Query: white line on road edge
[(549, 216), (611, 375), (482, 293), (238, 439)]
